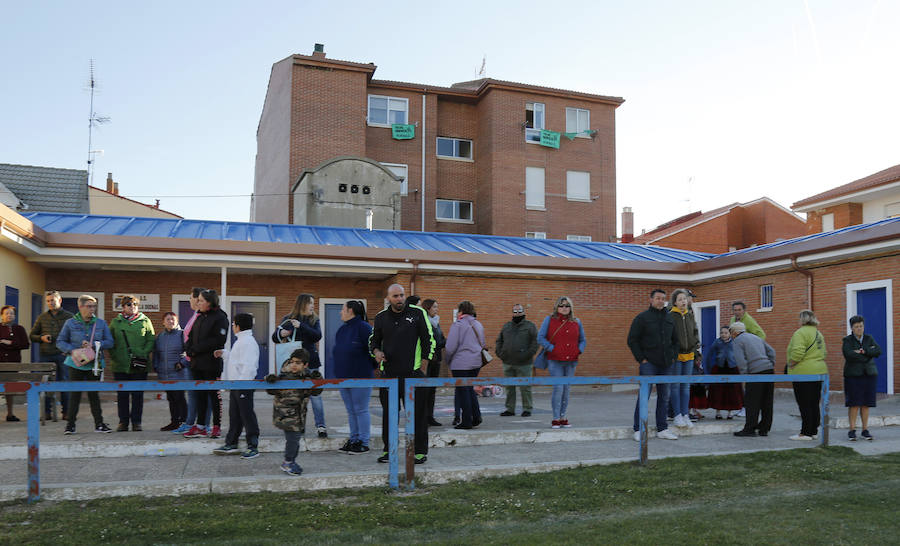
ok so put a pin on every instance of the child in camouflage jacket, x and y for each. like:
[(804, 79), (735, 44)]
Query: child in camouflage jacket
[(289, 406)]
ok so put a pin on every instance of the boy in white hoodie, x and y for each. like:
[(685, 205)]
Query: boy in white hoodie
[(241, 363)]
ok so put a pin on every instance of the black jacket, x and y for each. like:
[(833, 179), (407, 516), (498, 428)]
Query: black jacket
[(209, 334), (855, 364), (652, 337), (517, 343), (405, 338)]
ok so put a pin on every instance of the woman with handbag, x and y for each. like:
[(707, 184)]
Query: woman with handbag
[(465, 342), (133, 334), (78, 340), (13, 340), (806, 356), (171, 364), (300, 329), (562, 337)]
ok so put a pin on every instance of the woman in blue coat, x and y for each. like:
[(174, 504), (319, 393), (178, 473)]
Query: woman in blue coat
[(723, 396), (170, 364), (353, 361)]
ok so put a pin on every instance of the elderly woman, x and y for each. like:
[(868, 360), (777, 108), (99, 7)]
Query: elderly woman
[(352, 360), (860, 375), (806, 356), (720, 360), (562, 337), (134, 336), (171, 364), (13, 340), (465, 342)]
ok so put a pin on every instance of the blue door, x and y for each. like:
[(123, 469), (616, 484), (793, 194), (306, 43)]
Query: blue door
[(261, 330), (332, 321), (70, 305), (12, 298), (709, 331), (871, 305), (37, 306), (184, 312)]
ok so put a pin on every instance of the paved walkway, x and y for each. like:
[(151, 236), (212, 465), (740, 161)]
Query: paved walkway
[(90, 465)]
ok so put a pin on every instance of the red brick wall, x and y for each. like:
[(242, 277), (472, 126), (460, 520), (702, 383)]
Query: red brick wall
[(845, 214)]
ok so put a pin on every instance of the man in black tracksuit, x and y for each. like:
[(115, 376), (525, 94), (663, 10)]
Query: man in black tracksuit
[(402, 344)]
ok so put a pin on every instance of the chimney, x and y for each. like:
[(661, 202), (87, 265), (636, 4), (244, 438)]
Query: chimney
[(319, 51), (116, 188), (110, 185), (627, 225), (156, 206)]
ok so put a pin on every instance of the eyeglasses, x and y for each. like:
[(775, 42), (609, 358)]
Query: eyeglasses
[(564, 305), (518, 312)]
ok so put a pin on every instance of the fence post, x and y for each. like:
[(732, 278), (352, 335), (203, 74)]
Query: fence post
[(410, 406), (393, 433), (825, 407), (33, 396), (643, 400)]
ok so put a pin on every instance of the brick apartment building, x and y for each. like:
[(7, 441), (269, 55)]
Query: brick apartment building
[(475, 163)]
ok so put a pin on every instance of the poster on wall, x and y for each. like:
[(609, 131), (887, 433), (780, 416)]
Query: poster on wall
[(149, 302)]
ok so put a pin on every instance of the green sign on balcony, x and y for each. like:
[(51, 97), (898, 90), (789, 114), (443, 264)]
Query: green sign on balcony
[(400, 131)]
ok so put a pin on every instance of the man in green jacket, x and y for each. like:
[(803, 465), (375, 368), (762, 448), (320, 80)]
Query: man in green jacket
[(516, 346), (45, 331), (741, 315)]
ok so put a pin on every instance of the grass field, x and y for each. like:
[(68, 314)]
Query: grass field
[(804, 496)]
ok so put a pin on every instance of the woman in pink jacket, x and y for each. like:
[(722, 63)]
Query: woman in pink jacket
[(463, 351)]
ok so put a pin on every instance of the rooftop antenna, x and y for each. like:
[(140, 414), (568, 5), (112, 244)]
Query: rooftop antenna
[(93, 119), (483, 63), (688, 193)]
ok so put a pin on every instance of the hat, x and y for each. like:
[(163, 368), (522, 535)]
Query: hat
[(738, 327)]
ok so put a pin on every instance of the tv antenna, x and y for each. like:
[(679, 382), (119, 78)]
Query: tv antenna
[(481, 71), (93, 120)]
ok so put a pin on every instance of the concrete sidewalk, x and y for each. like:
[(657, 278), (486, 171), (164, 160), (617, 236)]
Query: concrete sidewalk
[(90, 465)]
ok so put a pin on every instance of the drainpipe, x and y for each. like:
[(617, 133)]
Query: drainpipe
[(223, 298), (422, 196), (809, 281), (412, 278)]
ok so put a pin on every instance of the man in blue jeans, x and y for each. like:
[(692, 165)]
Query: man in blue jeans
[(652, 341)]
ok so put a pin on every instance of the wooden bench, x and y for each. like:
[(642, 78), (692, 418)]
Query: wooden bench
[(30, 372)]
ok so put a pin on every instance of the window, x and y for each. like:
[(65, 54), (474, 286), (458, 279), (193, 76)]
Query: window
[(578, 186), (828, 222), (403, 172), (534, 188), (578, 120), (765, 297), (892, 209), (456, 148), (386, 111), (450, 210), (534, 121), (583, 238), (535, 234)]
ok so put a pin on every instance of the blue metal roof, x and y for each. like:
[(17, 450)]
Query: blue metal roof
[(352, 237), (824, 236)]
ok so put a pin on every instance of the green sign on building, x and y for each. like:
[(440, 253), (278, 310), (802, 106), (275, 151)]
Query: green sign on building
[(549, 139), (400, 131)]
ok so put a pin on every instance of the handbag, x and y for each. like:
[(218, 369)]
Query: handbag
[(788, 365), (485, 357), (284, 349), (138, 363), (83, 356)]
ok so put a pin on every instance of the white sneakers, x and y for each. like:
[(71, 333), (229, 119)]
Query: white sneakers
[(683, 421), (637, 436), (666, 435), (803, 438)]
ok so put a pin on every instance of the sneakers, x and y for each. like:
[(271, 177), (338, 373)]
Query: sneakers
[(227, 449), (215, 432), (346, 447), (555, 423), (103, 427), (420, 459), (564, 423), (251, 453), (526, 413), (196, 432), (384, 457), (358, 448), (852, 435), (323, 432), (291, 468), (637, 436), (70, 429), (12, 419), (182, 428), (866, 435), (801, 438), (666, 435), (507, 413), (686, 421)]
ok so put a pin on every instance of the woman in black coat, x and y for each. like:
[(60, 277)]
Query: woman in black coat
[(208, 335), (860, 375)]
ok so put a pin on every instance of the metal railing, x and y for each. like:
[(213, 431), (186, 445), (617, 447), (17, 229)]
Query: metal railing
[(643, 381)]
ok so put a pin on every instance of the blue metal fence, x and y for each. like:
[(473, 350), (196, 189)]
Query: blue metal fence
[(33, 390)]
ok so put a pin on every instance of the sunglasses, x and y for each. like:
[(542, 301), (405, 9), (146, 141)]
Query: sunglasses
[(564, 305)]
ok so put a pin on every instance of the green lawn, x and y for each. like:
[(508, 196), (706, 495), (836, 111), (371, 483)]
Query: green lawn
[(804, 496)]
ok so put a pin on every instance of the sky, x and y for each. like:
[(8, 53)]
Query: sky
[(725, 101)]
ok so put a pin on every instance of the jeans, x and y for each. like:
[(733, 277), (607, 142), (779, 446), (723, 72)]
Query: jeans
[(560, 398), (470, 409), (662, 397), (680, 393), (318, 410), (130, 403), (93, 397), (206, 400), (518, 370), (192, 397), (241, 417), (357, 403), (292, 444), (62, 374)]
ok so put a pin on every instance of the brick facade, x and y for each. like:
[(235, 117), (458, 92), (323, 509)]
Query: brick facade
[(845, 214)]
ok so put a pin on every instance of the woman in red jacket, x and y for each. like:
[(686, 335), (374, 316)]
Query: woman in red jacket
[(13, 339), (562, 337)]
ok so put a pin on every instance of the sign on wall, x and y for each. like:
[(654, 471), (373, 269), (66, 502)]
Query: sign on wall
[(149, 302), (403, 132)]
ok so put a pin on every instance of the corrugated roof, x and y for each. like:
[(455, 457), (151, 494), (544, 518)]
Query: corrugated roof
[(891, 174), (47, 188), (352, 237)]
